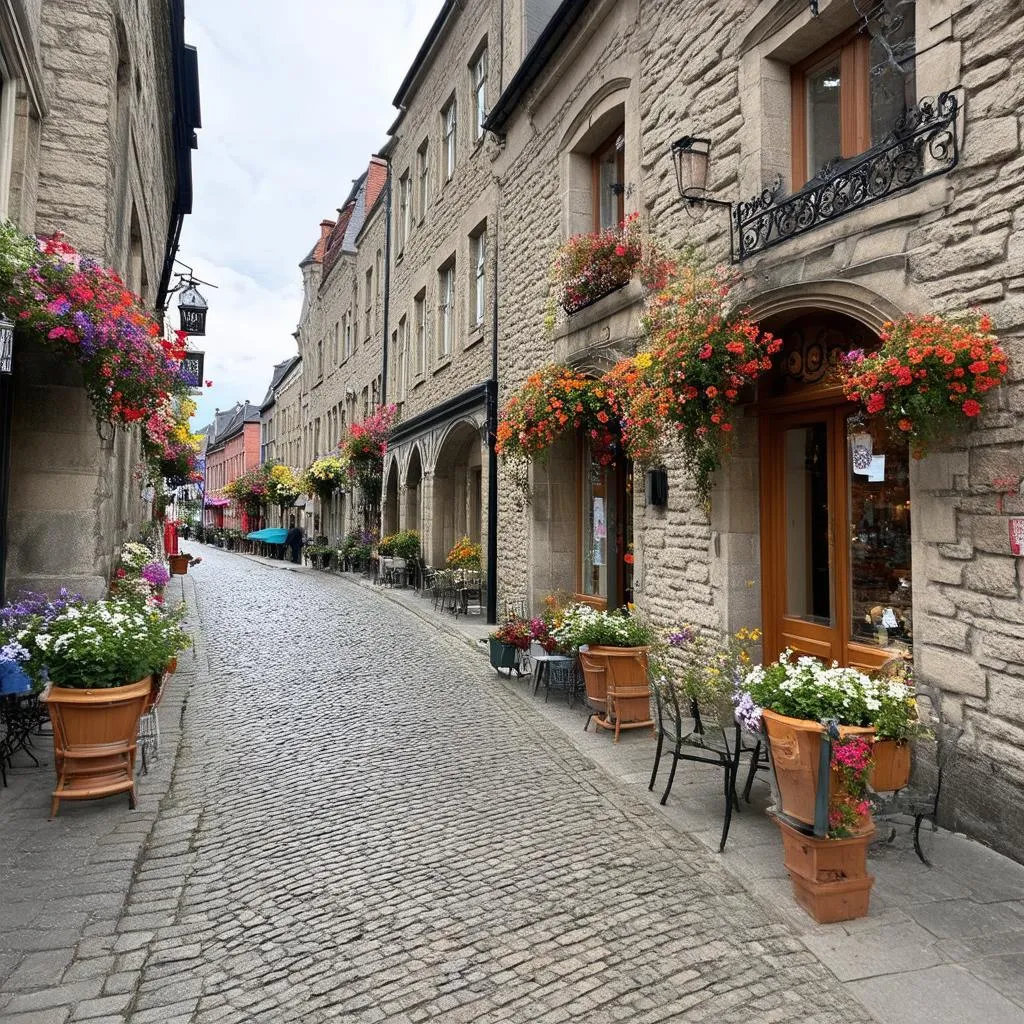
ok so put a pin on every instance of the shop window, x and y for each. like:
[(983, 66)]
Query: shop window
[(848, 95)]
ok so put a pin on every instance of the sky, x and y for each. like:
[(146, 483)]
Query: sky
[(295, 99)]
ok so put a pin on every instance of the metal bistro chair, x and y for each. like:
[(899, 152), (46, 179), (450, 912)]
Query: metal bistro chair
[(472, 586), (553, 670), (720, 743)]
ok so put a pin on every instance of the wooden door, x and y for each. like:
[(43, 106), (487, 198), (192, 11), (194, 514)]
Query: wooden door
[(835, 536)]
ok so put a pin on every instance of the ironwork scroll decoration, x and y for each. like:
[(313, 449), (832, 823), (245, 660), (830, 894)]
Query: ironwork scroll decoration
[(923, 144)]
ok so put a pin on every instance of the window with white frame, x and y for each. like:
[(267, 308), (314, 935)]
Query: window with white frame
[(446, 310), (478, 284), (335, 350), (479, 94), (404, 213), (420, 312), (403, 358), (368, 328), (450, 117), (423, 158), (354, 314)]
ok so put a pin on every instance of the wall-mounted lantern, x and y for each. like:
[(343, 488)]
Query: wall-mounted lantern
[(192, 307)]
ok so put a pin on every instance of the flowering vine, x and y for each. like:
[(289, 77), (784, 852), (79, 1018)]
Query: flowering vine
[(849, 807)]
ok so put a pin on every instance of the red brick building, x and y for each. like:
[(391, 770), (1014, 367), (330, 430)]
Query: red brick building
[(233, 449)]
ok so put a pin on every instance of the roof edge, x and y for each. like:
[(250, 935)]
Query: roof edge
[(548, 42), (424, 51)]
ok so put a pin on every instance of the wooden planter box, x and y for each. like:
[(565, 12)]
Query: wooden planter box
[(94, 738), (617, 686), (892, 766), (796, 751)]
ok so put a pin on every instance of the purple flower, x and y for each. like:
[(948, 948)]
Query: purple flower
[(155, 574), (681, 637), (748, 714)]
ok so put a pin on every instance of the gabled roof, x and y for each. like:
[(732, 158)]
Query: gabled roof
[(227, 424), (281, 370)]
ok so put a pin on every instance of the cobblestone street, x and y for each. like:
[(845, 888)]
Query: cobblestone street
[(363, 826)]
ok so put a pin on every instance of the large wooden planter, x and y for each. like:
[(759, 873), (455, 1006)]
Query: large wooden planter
[(94, 739), (830, 877), (796, 752), (178, 564), (503, 655), (891, 770), (617, 686)]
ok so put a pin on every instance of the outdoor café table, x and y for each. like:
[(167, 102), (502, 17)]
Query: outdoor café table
[(21, 714)]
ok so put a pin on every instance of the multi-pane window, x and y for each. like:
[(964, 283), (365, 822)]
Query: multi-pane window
[(403, 358), (449, 116), (336, 351), (348, 335), (420, 310), (848, 95), (404, 213), (479, 283), (480, 94), (320, 358), (423, 157), (368, 329), (355, 314), (609, 171), (446, 325)]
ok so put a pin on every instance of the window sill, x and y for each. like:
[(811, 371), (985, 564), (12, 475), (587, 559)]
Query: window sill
[(418, 382), (442, 364), (475, 337)]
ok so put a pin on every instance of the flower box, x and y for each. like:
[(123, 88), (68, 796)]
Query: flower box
[(504, 655)]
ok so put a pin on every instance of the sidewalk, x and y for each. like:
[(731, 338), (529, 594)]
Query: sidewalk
[(941, 944), (63, 882)]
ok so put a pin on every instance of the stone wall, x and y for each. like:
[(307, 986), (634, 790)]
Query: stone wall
[(950, 243), (97, 166)]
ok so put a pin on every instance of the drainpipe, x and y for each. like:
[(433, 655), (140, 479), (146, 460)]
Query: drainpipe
[(492, 455), (387, 280)]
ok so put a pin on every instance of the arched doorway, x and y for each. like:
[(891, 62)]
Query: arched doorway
[(413, 484), (391, 499), (835, 505), (458, 490)]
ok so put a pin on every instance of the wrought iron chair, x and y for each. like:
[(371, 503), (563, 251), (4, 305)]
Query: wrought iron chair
[(712, 738)]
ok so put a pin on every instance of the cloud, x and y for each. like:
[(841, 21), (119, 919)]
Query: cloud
[(294, 103)]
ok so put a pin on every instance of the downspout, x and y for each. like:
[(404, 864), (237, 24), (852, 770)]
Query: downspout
[(6, 417), (492, 455), (387, 282)]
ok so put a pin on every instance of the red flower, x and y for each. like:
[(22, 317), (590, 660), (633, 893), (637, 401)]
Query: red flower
[(875, 403), (705, 352), (971, 407)]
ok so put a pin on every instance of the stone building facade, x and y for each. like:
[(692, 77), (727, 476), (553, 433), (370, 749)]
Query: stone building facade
[(441, 323), (926, 566), (232, 449), (98, 106), (340, 338)]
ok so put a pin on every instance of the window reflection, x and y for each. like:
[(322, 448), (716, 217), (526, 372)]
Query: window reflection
[(808, 575), (880, 582)]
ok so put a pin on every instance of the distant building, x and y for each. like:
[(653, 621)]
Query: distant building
[(233, 449)]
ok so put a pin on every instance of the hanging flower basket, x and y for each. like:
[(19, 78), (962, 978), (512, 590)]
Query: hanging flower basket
[(929, 378), (554, 400)]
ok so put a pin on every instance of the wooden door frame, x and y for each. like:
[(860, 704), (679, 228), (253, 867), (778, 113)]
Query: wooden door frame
[(775, 419)]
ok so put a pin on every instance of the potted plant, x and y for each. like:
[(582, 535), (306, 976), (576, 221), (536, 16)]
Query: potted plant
[(464, 555), (97, 661), (508, 644), (179, 564), (613, 653), (821, 724)]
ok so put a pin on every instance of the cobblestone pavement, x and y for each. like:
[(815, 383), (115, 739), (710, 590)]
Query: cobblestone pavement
[(363, 826)]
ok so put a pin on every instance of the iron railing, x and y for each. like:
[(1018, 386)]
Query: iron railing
[(922, 145)]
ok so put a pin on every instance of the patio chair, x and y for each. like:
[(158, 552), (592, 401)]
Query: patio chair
[(714, 738), (471, 588)]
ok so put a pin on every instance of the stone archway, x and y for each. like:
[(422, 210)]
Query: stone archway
[(413, 487), (458, 490), (390, 522)]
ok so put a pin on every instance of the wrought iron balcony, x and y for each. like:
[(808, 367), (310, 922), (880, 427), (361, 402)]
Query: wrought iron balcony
[(922, 145)]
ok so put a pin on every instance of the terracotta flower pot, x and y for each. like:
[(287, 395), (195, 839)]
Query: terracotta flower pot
[(94, 737), (891, 770), (617, 685), (796, 749), (178, 564), (829, 876)]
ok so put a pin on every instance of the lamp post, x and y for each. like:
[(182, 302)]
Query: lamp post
[(192, 308)]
